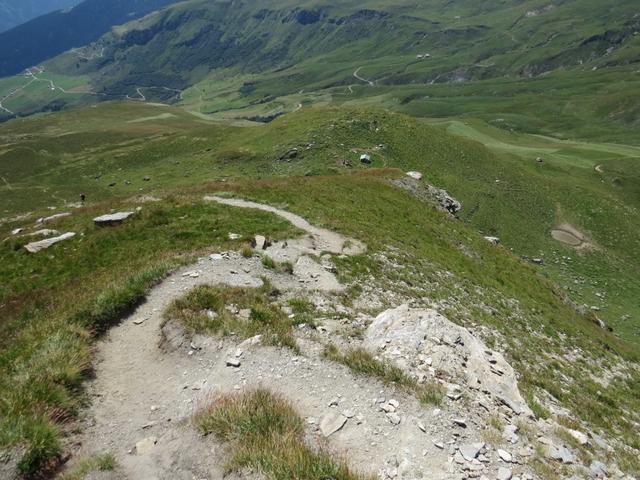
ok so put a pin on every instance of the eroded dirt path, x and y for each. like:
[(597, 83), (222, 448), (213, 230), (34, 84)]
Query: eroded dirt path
[(149, 378)]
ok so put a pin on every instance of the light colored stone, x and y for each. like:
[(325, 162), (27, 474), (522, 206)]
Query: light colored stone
[(332, 422), (493, 240), (146, 445), (460, 422), (560, 453), (394, 418), (260, 242), (504, 474), (112, 218), (35, 247), (415, 175), (458, 458), (233, 362), (580, 437), (470, 450), (598, 469), (53, 217), (505, 456), (401, 335)]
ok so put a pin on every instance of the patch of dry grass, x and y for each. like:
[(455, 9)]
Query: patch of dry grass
[(264, 432)]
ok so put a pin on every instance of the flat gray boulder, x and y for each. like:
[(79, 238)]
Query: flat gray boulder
[(560, 453), (35, 247), (332, 422), (112, 219)]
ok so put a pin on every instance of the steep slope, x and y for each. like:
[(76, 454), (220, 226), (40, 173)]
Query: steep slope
[(465, 42), (15, 12), (51, 34)]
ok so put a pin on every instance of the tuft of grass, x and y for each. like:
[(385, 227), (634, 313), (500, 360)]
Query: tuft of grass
[(246, 251), (362, 362), (266, 318), (282, 267), (303, 311), (265, 433), (102, 463), (536, 407), (268, 262)]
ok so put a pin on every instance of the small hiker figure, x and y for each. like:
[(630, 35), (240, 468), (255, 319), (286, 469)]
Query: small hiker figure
[(82, 197)]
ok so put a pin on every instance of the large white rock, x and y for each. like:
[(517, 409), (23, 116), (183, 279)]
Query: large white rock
[(35, 247), (404, 336), (53, 217), (415, 175), (112, 218)]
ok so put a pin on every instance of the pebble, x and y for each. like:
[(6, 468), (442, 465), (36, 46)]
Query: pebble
[(505, 456), (145, 445), (394, 418), (460, 422), (504, 474), (233, 362)]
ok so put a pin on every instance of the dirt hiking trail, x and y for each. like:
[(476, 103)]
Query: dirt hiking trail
[(150, 377)]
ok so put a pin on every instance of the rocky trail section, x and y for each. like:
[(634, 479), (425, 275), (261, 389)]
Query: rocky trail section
[(150, 376)]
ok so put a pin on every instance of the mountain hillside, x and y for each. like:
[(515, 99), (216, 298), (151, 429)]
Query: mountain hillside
[(49, 35), (15, 12), (468, 42)]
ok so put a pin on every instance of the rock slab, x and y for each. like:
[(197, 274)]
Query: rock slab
[(112, 219), (35, 247), (331, 423)]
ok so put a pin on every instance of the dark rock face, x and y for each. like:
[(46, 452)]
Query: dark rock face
[(308, 17)]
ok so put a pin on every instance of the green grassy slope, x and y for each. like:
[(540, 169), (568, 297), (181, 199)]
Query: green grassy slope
[(439, 257), (107, 151), (570, 68)]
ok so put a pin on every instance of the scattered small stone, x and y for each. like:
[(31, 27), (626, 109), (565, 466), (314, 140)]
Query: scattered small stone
[(388, 408), (460, 422), (504, 474), (505, 456), (394, 418), (471, 450), (332, 422), (422, 427), (561, 454), (233, 362), (580, 437), (439, 445), (145, 445), (493, 240), (598, 469), (415, 175), (234, 236), (139, 321), (509, 433)]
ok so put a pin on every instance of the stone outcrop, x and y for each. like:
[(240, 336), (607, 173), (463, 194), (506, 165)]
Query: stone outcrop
[(423, 342)]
